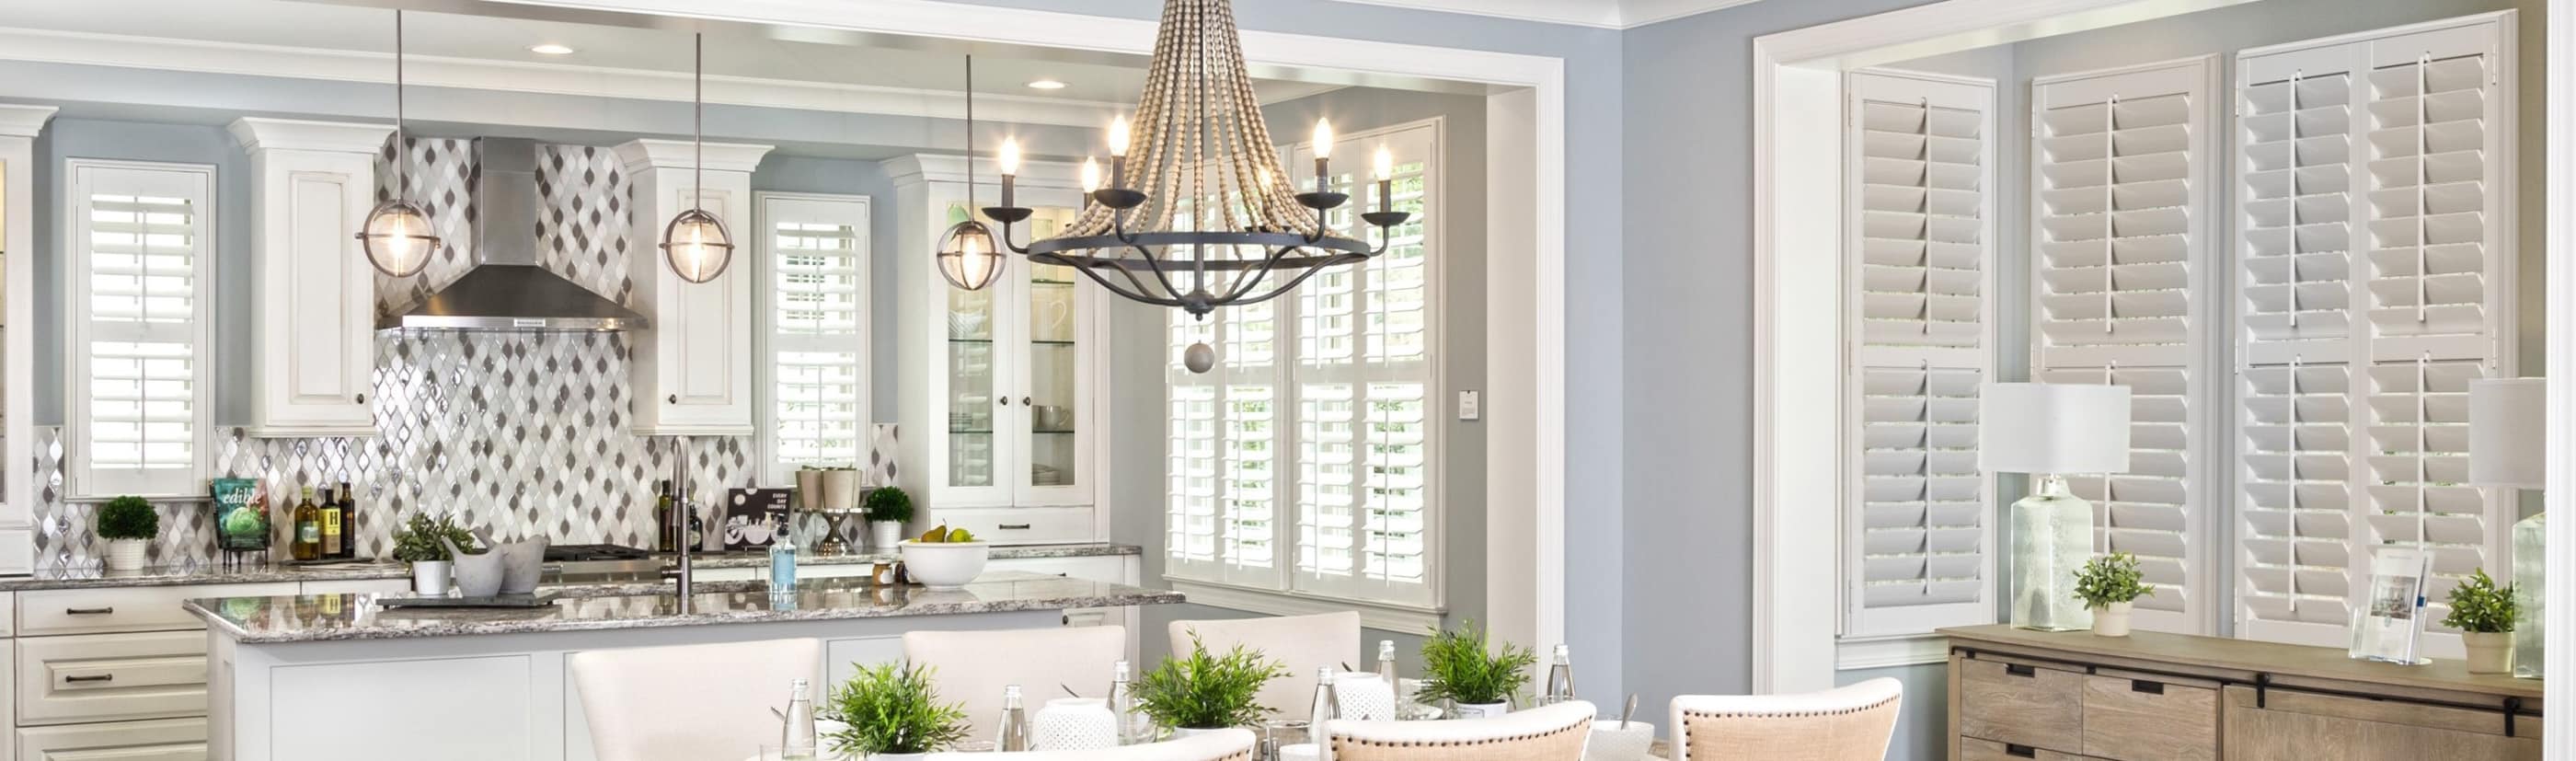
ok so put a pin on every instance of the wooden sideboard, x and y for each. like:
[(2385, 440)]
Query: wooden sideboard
[(2066, 696)]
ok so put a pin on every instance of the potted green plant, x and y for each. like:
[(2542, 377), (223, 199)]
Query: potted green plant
[(2484, 614), (417, 543), (2109, 585), (891, 712), (128, 524), (888, 509), (1206, 692), (1458, 666)]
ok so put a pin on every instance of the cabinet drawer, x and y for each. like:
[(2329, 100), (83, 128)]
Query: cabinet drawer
[(1019, 525), (2149, 719), (157, 740), (1973, 749), (111, 677), (131, 609), (2022, 705), (1109, 569)]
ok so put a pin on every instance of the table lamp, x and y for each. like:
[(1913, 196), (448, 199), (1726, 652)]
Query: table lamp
[(2508, 449), (2049, 430)]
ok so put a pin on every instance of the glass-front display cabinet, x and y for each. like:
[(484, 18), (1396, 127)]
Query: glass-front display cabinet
[(997, 386)]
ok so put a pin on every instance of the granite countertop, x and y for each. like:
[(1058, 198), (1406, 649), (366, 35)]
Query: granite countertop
[(92, 577), (322, 618)]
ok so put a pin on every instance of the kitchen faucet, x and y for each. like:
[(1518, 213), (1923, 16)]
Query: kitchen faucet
[(682, 508)]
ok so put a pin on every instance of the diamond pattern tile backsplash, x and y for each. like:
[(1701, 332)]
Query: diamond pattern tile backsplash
[(524, 432)]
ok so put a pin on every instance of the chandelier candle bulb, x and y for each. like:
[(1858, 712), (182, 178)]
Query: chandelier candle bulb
[(1009, 160), (1385, 170), (1090, 175)]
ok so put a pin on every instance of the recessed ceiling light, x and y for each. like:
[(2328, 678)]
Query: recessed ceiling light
[(1046, 84), (550, 49)]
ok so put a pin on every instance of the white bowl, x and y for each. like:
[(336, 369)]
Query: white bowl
[(944, 565)]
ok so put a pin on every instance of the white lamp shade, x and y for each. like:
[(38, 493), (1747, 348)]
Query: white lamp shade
[(2508, 445), (2053, 428)]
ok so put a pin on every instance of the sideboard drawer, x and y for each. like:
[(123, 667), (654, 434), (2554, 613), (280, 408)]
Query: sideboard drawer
[(128, 609), (157, 740), (2022, 704), (111, 677), (2149, 720), (1973, 749)]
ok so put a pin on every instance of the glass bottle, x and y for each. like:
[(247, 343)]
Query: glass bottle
[(797, 739), (1326, 705), (669, 536), (782, 564), (2530, 575), (331, 524), (1013, 732), (349, 520), (1386, 662), (1560, 677), (2052, 537), (1134, 727), (308, 528)]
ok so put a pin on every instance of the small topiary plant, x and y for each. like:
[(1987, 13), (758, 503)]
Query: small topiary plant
[(417, 540), (1460, 668), (128, 517), (1206, 691), (888, 503), (891, 709), (2108, 579), (2478, 605)]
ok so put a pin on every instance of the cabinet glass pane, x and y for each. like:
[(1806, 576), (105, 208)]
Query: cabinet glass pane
[(972, 403), (1053, 356)]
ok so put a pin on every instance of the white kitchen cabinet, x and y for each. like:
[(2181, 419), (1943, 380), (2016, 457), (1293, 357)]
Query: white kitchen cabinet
[(313, 355), (1001, 389), (692, 369), (19, 127), (156, 740)]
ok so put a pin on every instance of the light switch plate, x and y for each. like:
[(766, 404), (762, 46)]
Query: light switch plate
[(1469, 406)]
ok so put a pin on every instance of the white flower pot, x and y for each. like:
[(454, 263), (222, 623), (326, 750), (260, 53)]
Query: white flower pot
[(888, 534), (2489, 652), (430, 577), (1074, 724), (945, 565), (897, 756), (1181, 732), (1483, 710), (126, 554), (2112, 620)]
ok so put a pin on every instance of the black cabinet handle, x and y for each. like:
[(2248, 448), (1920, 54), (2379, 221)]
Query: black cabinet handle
[(88, 611), (1013, 527), (362, 398), (91, 678), (2015, 669), (674, 399), (2151, 688), (2021, 751)]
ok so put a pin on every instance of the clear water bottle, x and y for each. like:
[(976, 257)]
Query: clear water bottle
[(1014, 731), (782, 564), (1326, 705), (1560, 677), (797, 739), (1134, 727), (1386, 662)]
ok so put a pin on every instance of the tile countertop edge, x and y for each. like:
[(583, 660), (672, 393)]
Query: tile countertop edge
[(266, 574)]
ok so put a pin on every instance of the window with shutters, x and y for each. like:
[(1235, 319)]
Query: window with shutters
[(2121, 162), (141, 239), (2377, 250), (813, 256), (1305, 462), (1918, 549)]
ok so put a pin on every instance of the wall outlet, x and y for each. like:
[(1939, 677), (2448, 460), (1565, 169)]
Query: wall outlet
[(1470, 406)]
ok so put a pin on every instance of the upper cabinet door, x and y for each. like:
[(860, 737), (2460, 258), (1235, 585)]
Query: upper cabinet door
[(692, 370), (313, 293), (1057, 357)]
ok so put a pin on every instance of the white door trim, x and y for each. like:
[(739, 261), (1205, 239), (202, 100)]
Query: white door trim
[(2560, 726), (1544, 77), (1797, 100)]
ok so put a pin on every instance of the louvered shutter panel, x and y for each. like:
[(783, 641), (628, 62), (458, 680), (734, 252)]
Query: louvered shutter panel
[(2121, 216), (143, 241), (2375, 422), (1225, 428), (818, 290), (1918, 553)]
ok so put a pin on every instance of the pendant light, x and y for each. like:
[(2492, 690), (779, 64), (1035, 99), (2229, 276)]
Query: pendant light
[(968, 258), (695, 243), (398, 238)]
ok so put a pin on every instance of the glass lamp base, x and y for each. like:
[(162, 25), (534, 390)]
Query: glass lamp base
[(2052, 537), (2530, 575)]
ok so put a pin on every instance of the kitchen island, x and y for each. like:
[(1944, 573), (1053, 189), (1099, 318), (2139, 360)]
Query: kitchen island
[(314, 677)]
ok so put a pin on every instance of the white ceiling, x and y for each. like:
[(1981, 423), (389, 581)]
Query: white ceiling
[(325, 27), (1607, 14)]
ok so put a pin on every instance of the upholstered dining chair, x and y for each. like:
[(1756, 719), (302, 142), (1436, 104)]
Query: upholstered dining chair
[(1303, 643), (1220, 745), (972, 667), (690, 702), (1847, 724), (1547, 733)]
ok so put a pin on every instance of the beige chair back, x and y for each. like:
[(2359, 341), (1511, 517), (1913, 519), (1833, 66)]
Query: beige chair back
[(1848, 724), (1303, 643), (690, 702), (1550, 733), (971, 668), (1220, 745)]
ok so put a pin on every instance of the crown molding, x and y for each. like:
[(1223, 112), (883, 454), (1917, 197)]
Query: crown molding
[(1604, 14), (24, 121), (260, 133), (641, 155)]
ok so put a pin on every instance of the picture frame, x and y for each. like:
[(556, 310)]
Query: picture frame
[(754, 518)]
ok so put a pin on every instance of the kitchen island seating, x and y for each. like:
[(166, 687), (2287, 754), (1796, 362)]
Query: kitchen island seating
[(1846, 724), (689, 702), (1220, 745), (1547, 733), (1302, 643), (972, 667)]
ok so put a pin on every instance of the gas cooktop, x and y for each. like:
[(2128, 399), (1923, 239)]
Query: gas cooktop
[(595, 563), (561, 553)]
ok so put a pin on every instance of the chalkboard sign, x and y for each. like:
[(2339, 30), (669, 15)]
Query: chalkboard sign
[(753, 518)]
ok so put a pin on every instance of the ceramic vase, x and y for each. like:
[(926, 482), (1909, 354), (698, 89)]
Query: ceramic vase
[(2112, 620), (888, 534), (809, 489), (1074, 724), (126, 554), (476, 575), (522, 563), (2488, 652), (840, 490), (430, 577)]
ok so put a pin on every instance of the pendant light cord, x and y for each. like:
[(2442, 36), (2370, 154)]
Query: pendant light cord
[(698, 125), (970, 133), (402, 146)]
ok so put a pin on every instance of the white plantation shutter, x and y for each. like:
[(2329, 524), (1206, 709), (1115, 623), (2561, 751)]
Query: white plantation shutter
[(1312, 438), (816, 259), (2121, 166), (2393, 251), (143, 242), (1917, 550)]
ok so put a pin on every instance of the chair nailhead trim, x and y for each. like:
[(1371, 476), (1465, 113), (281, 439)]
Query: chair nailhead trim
[(1684, 742), (1338, 740)]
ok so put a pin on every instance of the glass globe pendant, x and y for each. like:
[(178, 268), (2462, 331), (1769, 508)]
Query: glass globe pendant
[(968, 259), (398, 238), (695, 243)]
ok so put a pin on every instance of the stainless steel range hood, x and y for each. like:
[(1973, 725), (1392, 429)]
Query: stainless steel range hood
[(507, 290)]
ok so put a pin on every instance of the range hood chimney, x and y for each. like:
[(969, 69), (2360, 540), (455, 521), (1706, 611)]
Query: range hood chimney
[(506, 290)]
